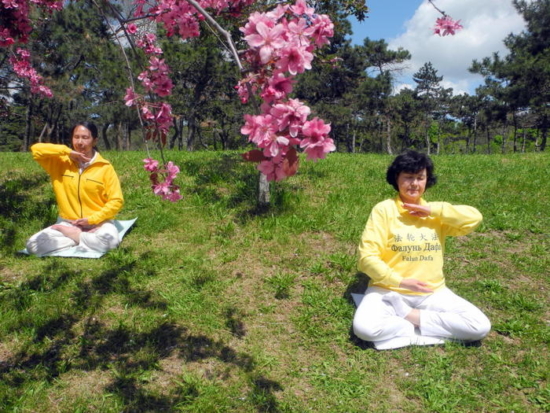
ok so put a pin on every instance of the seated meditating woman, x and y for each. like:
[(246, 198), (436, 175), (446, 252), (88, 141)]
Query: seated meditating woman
[(401, 250), (87, 191)]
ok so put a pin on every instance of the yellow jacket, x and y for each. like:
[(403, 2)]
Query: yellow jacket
[(396, 245), (94, 194)]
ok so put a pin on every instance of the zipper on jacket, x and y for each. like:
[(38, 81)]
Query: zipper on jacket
[(78, 190)]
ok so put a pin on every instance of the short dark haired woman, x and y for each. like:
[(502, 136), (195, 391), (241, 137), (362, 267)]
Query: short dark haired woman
[(401, 250)]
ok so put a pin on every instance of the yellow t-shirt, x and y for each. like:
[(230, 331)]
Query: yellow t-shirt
[(396, 245)]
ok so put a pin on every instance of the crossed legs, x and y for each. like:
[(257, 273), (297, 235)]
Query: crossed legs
[(64, 235), (384, 315)]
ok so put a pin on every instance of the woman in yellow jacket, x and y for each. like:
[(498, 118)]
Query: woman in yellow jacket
[(401, 250), (87, 191)]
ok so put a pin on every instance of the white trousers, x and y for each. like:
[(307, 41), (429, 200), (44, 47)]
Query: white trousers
[(442, 314), (48, 240)]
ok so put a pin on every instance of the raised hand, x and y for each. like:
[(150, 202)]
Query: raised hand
[(418, 210), (79, 157)]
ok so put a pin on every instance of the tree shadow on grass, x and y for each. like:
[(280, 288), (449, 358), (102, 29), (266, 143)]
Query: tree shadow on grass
[(77, 339), (232, 182), (18, 207)]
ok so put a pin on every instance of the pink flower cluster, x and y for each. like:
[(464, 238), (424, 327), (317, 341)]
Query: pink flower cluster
[(162, 179), (21, 63), (181, 18), (15, 25), (281, 45), (446, 25), (157, 81)]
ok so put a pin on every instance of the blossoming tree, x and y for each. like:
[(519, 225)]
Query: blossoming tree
[(281, 43)]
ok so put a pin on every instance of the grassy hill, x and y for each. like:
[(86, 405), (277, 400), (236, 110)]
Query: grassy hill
[(211, 305)]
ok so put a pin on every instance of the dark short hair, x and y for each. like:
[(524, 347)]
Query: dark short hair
[(88, 125), (411, 162)]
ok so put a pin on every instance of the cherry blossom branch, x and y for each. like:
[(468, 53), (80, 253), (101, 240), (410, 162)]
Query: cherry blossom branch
[(445, 25), (123, 25), (437, 8), (219, 28)]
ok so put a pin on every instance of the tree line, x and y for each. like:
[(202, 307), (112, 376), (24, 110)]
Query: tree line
[(87, 65)]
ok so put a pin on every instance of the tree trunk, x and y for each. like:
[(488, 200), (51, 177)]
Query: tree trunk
[(544, 134), (388, 136), (178, 131), (128, 136), (427, 137), (104, 129), (28, 126), (119, 139), (191, 134), (475, 135), (263, 192), (504, 133)]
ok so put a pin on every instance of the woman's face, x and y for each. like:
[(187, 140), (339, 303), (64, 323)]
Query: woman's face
[(83, 141), (412, 186)]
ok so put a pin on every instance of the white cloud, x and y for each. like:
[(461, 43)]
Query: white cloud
[(486, 24)]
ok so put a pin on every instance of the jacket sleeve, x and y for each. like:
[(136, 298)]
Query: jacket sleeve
[(371, 249), (115, 200), (47, 154), (456, 220)]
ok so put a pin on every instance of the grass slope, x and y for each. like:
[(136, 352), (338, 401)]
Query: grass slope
[(212, 306)]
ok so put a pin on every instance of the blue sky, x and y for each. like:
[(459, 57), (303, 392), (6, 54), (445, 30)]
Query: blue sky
[(386, 19), (409, 23)]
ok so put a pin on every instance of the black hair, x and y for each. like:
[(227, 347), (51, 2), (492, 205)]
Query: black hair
[(411, 162), (88, 125)]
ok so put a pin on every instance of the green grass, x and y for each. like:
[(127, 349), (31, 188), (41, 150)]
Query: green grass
[(211, 305)]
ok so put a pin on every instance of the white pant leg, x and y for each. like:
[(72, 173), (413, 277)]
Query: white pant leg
[(445, 314), (375, 320), (105, 238), (48, 240)]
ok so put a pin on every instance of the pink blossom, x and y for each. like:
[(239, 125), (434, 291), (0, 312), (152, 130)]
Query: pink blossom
[(161, 188), (253, 20), (300, 32), (446, 25), (130, 97), (146, 113), (301, 8), (21, 64), (291, 115), (277, 13), (275, 145), (274, 171), (164, 117), (323, 29), (316, 142), (172, 170), (261, 129), (278, 86), (132, 28), (151, 165), (267, 40), (295, 60), (173, 195)]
